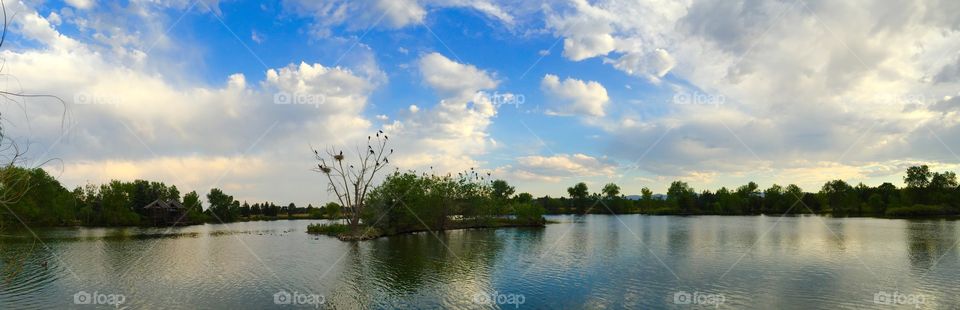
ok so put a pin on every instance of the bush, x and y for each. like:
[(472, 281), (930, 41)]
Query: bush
[(334, 229), (919, 210), (528, 212)]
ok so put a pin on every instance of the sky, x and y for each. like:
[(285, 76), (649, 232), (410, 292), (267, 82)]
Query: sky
[(543, 94)]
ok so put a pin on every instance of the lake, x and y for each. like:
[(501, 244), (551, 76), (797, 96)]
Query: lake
[(593, 261)]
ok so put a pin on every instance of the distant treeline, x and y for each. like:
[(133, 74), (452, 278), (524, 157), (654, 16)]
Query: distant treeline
[(38, 199), (407, 201), (926, 194)]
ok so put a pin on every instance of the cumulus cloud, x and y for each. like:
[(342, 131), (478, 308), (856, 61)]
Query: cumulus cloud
[(391, 14), (559, 167), (949, 73), (125, 121), (575, 97), (453, 79), (817, 80), (652, 66), (81, 4), (450, 135)]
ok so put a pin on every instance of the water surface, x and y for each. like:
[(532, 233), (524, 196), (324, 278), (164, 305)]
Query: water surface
[(594, 261)]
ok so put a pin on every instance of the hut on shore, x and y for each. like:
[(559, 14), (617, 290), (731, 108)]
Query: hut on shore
[(166, 212)]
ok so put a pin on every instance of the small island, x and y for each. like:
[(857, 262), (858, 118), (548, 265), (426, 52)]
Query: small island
[(408, 202)]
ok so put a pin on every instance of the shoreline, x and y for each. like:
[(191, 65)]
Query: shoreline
[(918, 217), (364, 233), (169, 226)]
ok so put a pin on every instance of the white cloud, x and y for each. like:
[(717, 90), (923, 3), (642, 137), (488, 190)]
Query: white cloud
[(81, 4), (653, 66), (392, 14), (575, 97), (822, 81), (256, 37), (559, 167), (400, 13), (129, 122), (454, 79), (452, 134)]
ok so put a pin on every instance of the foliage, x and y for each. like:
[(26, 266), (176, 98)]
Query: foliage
[(527, 212), (331, 229), (408, 201), (501, 190), (611, 190), (578, 195), (45, 202), (920, 211), (927, 194)]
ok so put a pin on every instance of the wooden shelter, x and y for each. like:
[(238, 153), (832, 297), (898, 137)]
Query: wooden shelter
[(166, 212)]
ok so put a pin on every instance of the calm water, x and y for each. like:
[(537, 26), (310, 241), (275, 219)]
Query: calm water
[(591, 262)]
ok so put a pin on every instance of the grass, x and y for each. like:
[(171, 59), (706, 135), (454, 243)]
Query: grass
[(333, 229)]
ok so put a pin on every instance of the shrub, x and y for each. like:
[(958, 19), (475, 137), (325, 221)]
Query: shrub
[(528, 212), (918, 210), (333, 229)]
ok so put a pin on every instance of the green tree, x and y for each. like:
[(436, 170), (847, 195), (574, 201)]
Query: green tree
[(222, 206), (332, 210), (524, 198), (194, 207), (840, 196), (578, 193), (774, 200), (917, 176), (611, 190), (682, 196), (501, 190), (646, 194)]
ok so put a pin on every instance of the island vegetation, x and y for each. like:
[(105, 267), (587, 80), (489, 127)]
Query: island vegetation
[(406, 202), (409, 202)]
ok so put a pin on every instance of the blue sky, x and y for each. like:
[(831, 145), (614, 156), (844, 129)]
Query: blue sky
[(634, 92)]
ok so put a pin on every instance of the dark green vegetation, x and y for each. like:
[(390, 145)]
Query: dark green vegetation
[(926, 194), (410, 202), (42, 201)]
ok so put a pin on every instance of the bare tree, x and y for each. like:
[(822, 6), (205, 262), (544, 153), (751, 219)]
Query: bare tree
[(351, 182)]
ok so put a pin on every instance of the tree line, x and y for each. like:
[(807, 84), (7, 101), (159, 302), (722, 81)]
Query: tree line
[(43, 201), (926, 193)]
